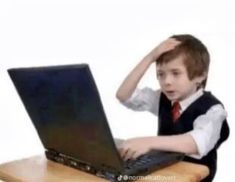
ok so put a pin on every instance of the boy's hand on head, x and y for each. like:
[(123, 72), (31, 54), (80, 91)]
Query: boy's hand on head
[(135, 147), (163, 47)]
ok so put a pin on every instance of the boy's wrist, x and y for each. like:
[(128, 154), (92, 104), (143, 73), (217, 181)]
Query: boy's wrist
[(155, 54), (151, 58)]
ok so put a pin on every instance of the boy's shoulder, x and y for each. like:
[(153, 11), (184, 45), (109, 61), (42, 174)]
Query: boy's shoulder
[(208, 98)]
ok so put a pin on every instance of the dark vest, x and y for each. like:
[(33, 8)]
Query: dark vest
[(185, 124)]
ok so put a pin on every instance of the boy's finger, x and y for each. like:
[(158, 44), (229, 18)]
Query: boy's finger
[(129, 155), (121, 152), (136, 155)]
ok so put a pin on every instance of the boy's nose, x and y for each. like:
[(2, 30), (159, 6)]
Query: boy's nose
[(168, 80)]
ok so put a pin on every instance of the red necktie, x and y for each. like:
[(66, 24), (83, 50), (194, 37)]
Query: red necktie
[(176, 111)]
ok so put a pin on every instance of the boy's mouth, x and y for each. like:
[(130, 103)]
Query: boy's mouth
[(170, 92)]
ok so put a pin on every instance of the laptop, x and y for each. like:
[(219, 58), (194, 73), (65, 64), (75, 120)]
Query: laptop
[(65, 107)]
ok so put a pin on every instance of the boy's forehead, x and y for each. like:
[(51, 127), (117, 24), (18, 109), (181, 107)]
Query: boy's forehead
[(177, 62)]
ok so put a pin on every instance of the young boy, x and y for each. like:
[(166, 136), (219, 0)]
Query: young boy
[(190, 120)]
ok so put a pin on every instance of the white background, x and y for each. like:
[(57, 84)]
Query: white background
[(112, 36)]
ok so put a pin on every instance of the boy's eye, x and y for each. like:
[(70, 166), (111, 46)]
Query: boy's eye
[(176, 73), (160, 74)]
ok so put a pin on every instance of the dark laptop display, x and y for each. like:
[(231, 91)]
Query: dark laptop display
[(65, 108)]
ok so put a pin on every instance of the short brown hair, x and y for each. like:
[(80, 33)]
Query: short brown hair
[(195, 53)]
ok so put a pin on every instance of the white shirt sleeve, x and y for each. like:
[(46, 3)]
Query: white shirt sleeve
[(145, 99), (206, 130)]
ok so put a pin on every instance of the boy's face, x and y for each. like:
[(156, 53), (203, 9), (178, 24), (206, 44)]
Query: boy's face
[(174, 81)]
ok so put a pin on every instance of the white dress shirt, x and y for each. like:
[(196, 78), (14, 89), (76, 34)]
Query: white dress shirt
[(206, 127)]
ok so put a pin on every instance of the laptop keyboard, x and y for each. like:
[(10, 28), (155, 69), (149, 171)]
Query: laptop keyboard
[(141, 161), (145, 159)]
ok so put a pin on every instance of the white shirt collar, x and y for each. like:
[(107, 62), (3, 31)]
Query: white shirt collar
[(189, 100)]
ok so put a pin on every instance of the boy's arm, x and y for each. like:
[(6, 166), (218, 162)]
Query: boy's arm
[(131, 81), (195, 143), (135, 147)]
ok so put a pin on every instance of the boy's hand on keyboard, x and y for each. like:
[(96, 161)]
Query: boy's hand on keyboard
[(135, 147)]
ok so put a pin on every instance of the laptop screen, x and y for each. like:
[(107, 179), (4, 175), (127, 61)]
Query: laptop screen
[(65, 108)]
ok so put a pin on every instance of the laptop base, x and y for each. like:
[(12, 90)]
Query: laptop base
[(121, 176), (71, 162)]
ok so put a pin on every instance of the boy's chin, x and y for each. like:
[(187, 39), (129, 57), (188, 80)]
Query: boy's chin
[(173, 98)]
